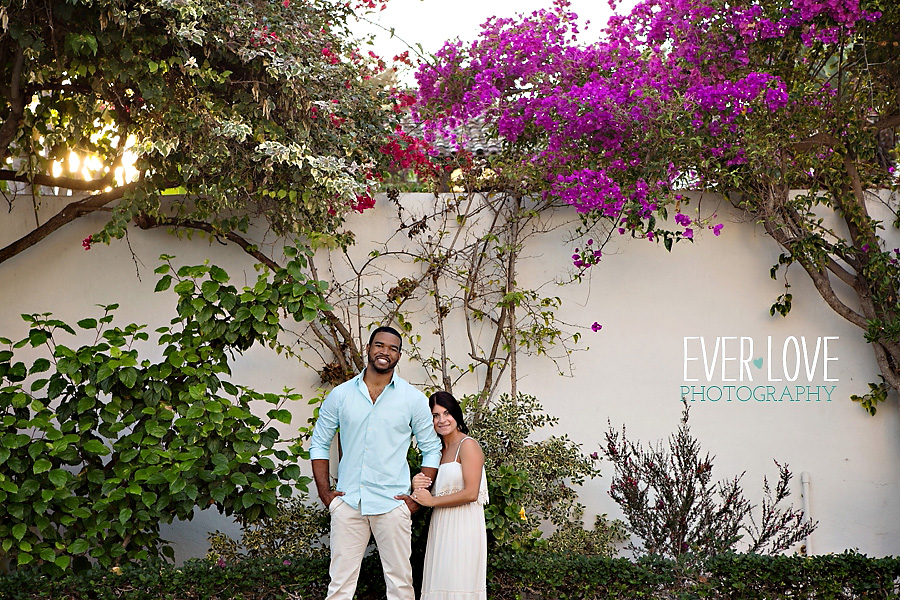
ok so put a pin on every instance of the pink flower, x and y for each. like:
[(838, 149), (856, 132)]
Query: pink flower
[(596, 326), (688, 233), (86, 242), (286, 3), (717, 229)]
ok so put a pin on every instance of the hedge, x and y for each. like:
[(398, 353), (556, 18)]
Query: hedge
[(846, 576)]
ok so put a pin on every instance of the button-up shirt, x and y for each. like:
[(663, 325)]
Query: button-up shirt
[(375, 438)]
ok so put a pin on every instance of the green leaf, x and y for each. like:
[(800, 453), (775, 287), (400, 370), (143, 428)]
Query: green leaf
[(291, 471), (18, 530), (41, 465), (218, 274), (155, 429), (37, 337), (39, 366), (218, 494), (47, 554), (281, 415), (177, 485), (163, 283), (79, 546), (96, 447), (29, 487), (59, 477), (209, 289), (195, 411), (128, 376), (183, 288)]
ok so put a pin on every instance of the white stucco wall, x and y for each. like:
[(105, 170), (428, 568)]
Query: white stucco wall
[(631, 372)]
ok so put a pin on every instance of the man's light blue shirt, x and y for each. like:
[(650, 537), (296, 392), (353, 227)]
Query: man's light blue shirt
[(375, 438)]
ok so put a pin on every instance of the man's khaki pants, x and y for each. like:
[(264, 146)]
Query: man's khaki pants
[(350, 532)]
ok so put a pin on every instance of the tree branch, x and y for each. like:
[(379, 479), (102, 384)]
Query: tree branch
[(69, 183), (68, 214), (145, 221), (820, 139), (886, 123), (16, 104)]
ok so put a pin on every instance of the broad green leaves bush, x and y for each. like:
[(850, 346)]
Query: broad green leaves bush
[(533, 482), (98, 445)]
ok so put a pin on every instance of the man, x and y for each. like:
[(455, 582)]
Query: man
[(377, 413)]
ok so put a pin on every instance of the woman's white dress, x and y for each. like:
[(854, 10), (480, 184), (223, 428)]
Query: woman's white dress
[(456, 554)]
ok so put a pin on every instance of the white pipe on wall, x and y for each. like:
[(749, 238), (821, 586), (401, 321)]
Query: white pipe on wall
[(804, 496)]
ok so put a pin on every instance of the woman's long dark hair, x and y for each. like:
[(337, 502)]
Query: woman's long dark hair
[(447, 400)]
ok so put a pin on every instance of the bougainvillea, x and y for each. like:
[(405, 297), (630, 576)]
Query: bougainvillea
[(588, 116), (752, 100)]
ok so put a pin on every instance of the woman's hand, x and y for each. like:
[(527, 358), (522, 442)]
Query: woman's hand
[(423, 497), (421, 481)]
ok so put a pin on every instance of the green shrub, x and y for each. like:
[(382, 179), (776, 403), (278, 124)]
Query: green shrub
[(98, 446), (523, 576), (298, 529), (676, 509), (534, 482)]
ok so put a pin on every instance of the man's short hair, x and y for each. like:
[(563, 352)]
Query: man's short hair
[(386, 329)]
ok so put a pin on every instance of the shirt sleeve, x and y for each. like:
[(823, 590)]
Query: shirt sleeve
[(426, 438), (325, 428)]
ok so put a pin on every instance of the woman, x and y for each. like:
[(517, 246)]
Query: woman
[(456, 555)]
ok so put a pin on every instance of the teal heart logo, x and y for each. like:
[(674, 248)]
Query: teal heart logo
[(758, 362)]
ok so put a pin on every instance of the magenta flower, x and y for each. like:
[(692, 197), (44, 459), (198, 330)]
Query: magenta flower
[(596, 326), (581, 114)]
